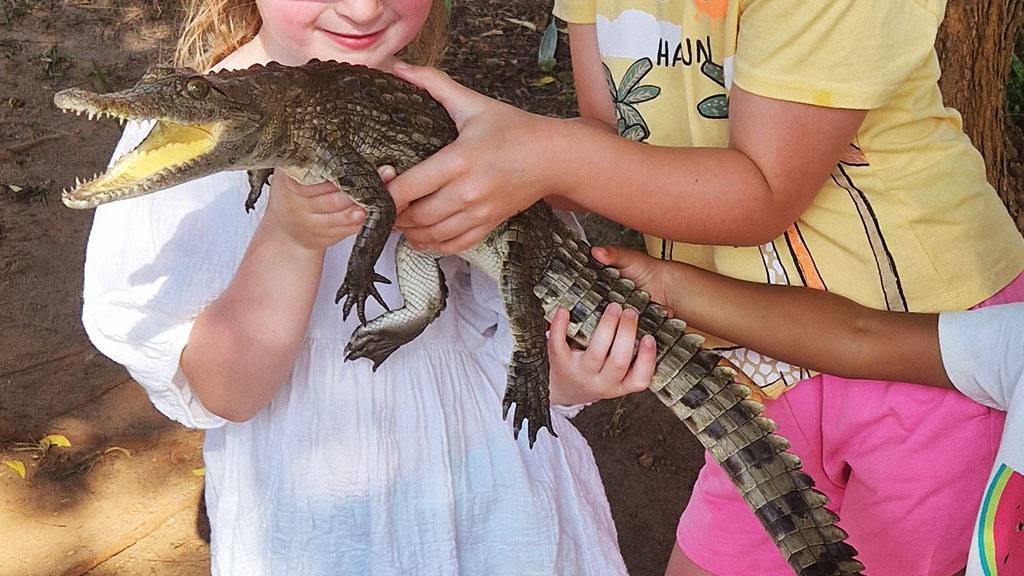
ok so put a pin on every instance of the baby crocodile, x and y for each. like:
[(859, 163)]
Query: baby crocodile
[(326, 121)]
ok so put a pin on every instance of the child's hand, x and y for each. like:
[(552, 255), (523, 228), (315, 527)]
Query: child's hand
[(461, 193), (316, 217), (603, 370), (648, 273)]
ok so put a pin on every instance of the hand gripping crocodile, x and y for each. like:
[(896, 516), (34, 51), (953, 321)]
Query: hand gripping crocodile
[(326, 121)]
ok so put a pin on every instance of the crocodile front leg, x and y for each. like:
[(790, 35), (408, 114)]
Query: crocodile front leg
[(421, 282), (257, 179), (349, 171), (527, 386)]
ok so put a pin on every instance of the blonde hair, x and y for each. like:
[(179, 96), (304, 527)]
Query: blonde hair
[(212, 29)]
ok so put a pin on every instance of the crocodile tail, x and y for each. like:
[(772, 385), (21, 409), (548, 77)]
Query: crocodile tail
[(704, 396)]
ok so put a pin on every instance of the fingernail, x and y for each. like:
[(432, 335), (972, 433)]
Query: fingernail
[(614, 309), (647, 341), (399, 65), (629, 313)]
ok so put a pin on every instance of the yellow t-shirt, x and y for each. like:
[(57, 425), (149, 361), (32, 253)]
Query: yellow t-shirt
[(907, 220)]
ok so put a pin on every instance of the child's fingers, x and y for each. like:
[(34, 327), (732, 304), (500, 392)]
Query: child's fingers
[(617, 256), (640, 374), (637, 266), (311, 190), (421, 181), (558, 348), (342, 218), (603, 336), (331, 202), (621, 354), (604, 254), (453, 96), (387, 173), (464, 241)]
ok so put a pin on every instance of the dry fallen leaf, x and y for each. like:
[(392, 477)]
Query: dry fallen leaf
[(58, 440), (523, 23), (16, 465)]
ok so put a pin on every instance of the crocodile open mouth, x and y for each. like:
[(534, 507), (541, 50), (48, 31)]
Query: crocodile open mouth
[(169, 148)]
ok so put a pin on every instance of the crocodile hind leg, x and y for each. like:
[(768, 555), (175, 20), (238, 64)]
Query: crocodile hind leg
[(528, 371), (424, 292)]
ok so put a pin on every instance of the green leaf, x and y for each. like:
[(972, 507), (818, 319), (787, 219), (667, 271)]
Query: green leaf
[(632, 77), (642, 94), (629, 114), (636, 133), (611, 81), (548, 45)]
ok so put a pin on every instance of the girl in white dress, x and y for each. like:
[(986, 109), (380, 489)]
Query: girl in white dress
[(314, 465)]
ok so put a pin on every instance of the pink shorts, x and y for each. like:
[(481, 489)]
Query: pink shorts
[(905, 467)]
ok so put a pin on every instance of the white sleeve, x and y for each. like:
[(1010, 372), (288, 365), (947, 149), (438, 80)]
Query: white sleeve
[(153, 263), (983, 352)]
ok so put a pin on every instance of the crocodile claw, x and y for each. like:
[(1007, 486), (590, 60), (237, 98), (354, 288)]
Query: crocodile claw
[(375, 345), (527, 388), (356, 292)]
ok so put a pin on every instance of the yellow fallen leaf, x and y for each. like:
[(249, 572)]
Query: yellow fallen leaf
[(543, 81), (199, 471), (59, 440), (16, 465), (14, 188)]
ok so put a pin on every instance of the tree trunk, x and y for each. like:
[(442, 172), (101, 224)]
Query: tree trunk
[(975, 44)]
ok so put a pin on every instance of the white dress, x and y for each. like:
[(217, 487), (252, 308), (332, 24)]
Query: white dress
[(409, 470)]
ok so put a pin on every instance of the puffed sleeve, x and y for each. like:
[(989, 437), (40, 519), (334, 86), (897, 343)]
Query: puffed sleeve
[(839, 54), (983, 352), (576, 11), (153, 263)]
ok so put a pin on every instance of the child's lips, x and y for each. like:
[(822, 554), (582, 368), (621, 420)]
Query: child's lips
[(355, 41)]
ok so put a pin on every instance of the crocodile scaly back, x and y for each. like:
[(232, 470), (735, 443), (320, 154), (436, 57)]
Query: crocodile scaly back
[(704, 396)]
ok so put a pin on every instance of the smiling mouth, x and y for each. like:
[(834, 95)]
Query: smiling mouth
[(357, 41)]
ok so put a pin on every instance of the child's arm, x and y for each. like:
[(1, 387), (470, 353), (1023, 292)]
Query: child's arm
[(811, 328), (504, 159), (243, 345)]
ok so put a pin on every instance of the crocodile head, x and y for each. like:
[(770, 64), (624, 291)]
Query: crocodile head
[(204, 124)]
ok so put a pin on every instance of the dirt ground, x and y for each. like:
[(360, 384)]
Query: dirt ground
[(124, 497)]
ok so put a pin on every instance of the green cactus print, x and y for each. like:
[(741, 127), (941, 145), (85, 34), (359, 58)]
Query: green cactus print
[(714, 107), (628, 120)]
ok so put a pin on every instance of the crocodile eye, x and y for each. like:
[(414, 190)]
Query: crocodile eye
[(197, 87)]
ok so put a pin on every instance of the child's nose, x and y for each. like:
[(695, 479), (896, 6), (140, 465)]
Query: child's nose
[(360, 10)]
